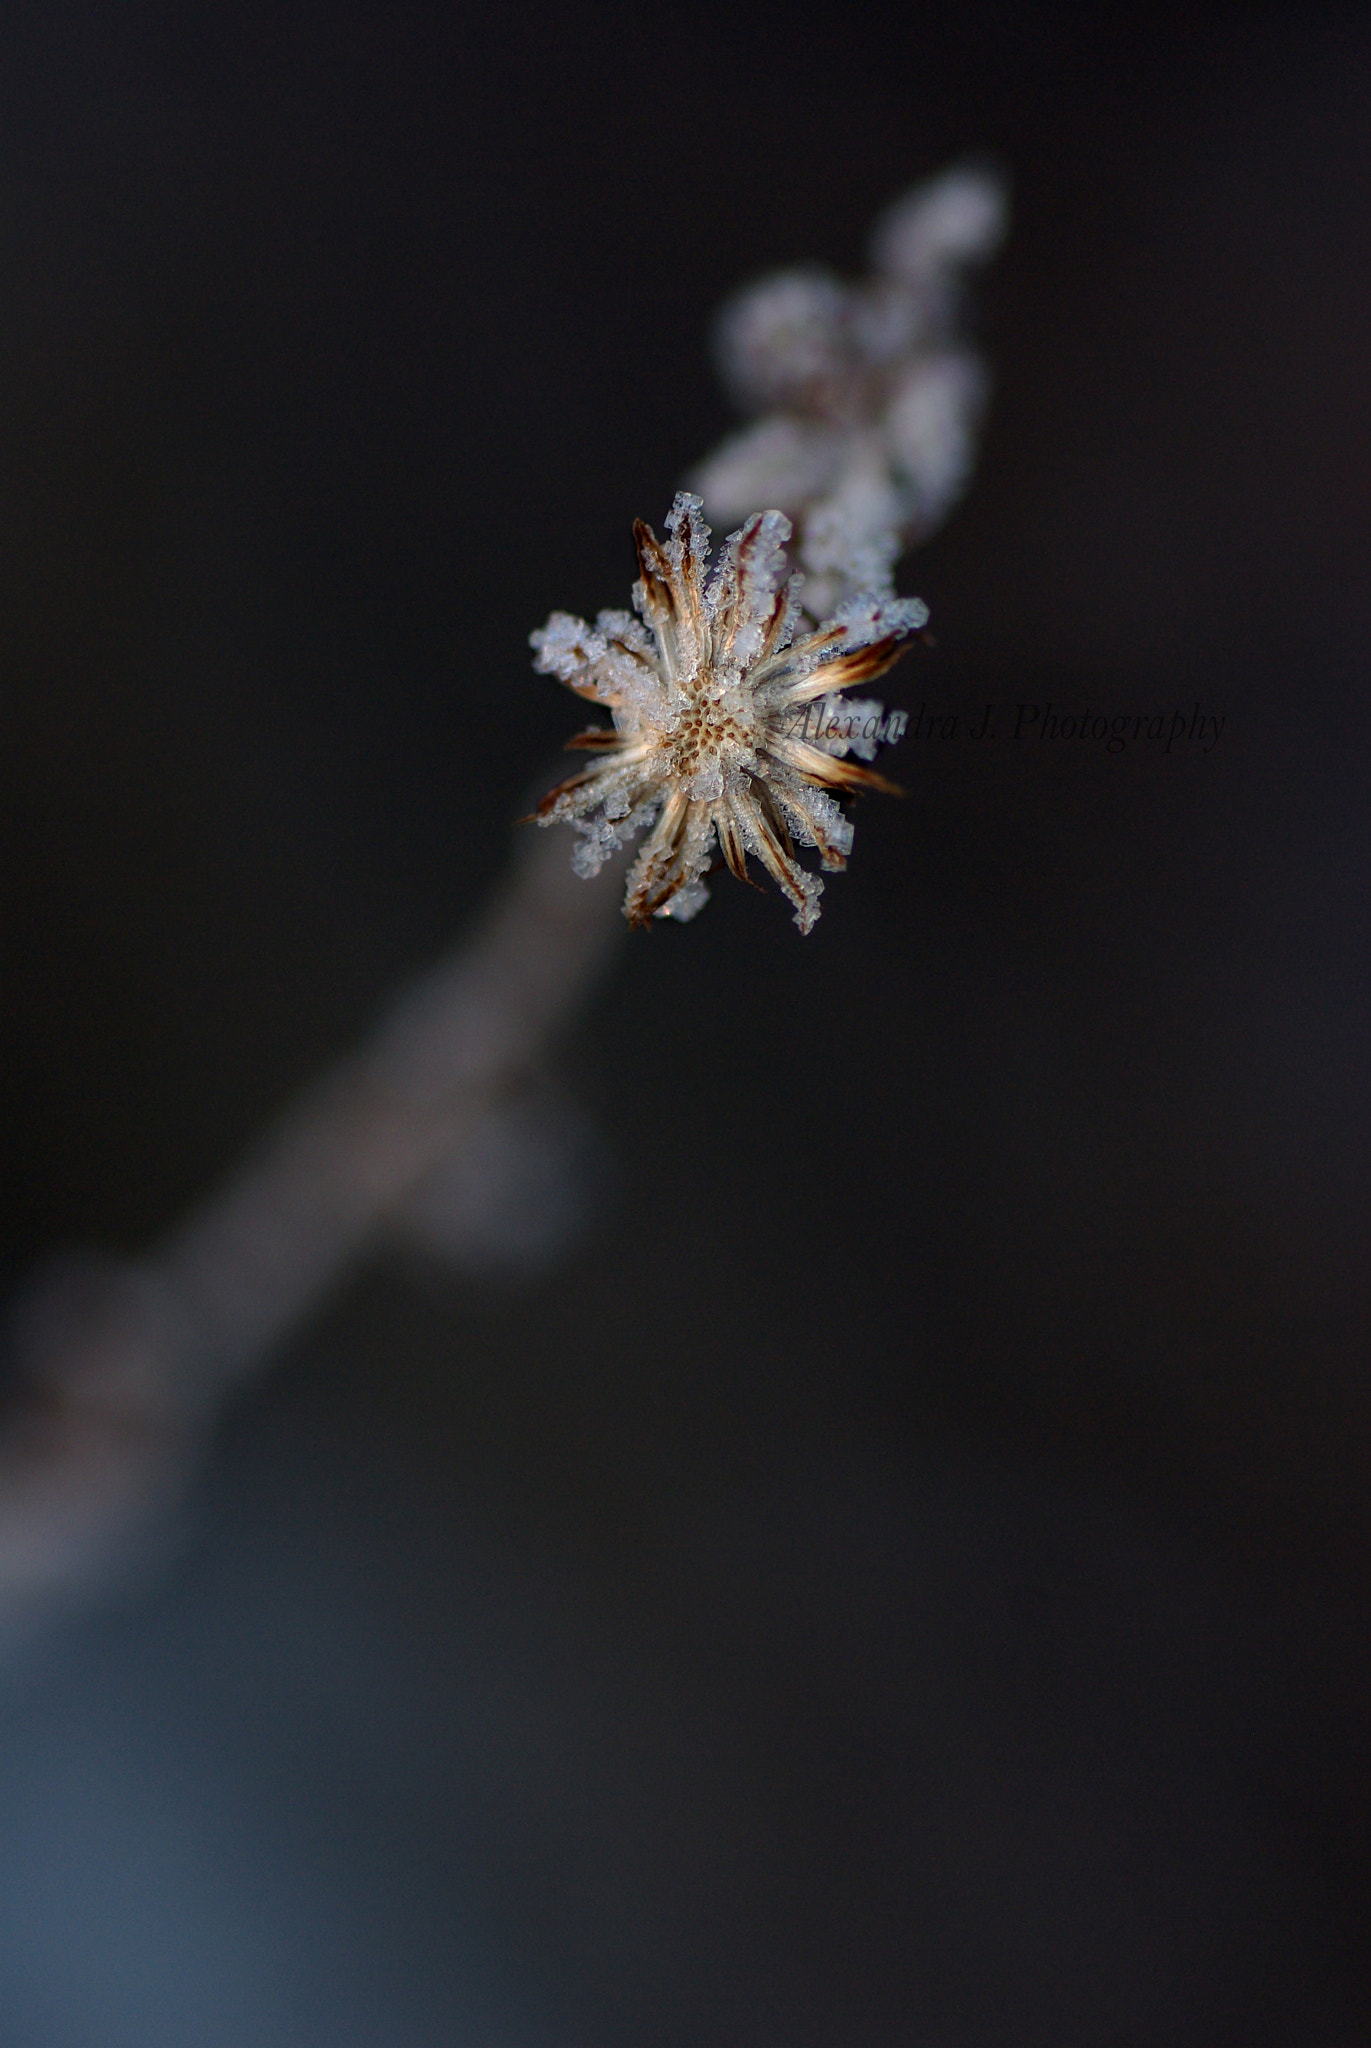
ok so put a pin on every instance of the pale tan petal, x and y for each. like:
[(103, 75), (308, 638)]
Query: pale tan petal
[(769, 838), (828, 769), (816, 817), (596, 739), (658, 871), (732, 844), (623, 776), (687, 549), (654, 595), (840, 671), (747, 591)]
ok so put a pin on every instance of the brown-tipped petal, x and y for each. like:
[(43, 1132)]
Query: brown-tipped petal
[(651, 880), (737, 573), (688, 587), (594, 694), (647, 669), (599, 739), (851, 775), (774, 668), (777, 855), (861, 666), (653, 561), (546, 803), (657, 900), (785, 609), (834, 857), (731, 845), (765, 803), (829, 770), (659, 602)]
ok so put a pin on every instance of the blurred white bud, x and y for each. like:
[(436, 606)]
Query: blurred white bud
[(781, 341), (958, 218)]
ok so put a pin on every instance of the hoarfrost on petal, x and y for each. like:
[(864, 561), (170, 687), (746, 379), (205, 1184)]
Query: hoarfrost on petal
[(843, 725), (594, 847), (869, 618), (742, 591), (816, 820), (631, 634), (810, 888), (688, 537), (866, 727), (565, 647), (803, 889), (706, 785), (607, 828)]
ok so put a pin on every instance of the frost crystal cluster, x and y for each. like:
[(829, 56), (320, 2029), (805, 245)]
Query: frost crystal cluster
[(728, 724), (869, 396)]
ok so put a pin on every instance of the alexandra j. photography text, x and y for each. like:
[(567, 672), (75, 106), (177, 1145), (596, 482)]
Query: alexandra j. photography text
[(1181, 728)]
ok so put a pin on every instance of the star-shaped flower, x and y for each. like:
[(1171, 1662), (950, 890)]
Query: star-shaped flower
[(726, 727)]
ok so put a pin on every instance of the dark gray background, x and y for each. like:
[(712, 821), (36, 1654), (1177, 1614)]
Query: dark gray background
[(904, 1580)]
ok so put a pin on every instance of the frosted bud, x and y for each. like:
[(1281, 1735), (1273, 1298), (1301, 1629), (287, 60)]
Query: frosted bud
[(960, 217), (782, 342)]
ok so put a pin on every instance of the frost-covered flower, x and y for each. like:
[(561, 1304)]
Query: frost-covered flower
[(868, 395), (726, 727)]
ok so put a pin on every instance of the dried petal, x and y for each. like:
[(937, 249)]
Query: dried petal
[(705, 747)]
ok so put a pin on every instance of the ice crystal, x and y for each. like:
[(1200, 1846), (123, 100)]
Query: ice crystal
[(728, 728), (869, 398)]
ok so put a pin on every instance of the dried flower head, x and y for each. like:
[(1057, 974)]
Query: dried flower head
[(721, 729)]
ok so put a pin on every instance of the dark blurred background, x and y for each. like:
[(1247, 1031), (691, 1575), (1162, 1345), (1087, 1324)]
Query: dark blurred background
[(904, 1578)]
